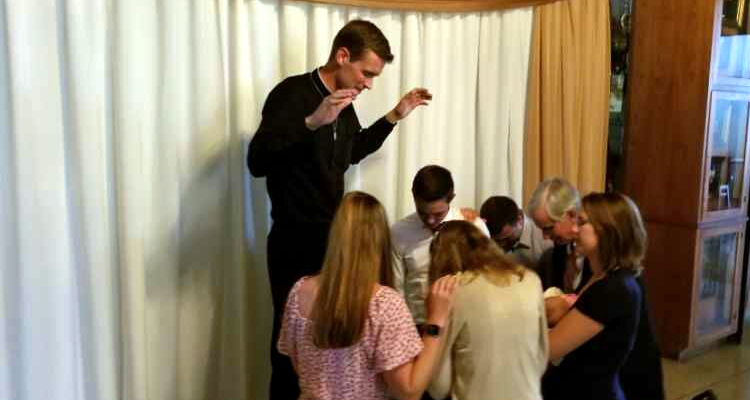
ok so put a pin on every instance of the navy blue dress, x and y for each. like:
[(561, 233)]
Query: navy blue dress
[(591, 370)]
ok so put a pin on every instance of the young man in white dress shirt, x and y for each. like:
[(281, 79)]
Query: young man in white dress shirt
[(433, 192)]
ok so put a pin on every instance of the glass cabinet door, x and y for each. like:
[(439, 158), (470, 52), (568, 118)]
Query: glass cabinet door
[(733, 62), (726, 180), (718, 283)]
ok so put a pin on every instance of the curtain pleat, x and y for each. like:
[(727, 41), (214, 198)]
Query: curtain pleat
[(568, 105)]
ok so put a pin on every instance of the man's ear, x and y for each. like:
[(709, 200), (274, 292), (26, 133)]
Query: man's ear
[(342, 56)]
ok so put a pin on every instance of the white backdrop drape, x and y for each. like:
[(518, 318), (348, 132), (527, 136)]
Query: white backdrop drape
[(132, 239)]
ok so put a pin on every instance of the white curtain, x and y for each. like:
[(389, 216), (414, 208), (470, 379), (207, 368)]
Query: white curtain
[(132, 239), (475, 64)]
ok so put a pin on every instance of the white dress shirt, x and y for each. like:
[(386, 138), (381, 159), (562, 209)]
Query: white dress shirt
[(411, 242)]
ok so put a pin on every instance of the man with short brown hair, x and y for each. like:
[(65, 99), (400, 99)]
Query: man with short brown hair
[(513, 231), (308, 136), (433, 191)]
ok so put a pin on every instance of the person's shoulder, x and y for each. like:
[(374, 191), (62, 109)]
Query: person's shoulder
[(619, 283), (476, 288), (406, 226), (305, 289), (290, 84), (410, 220), (626, 279), (387, 293), (621, 277), (386, 300), (531, 279), (534, 233), (549, 252), (547, 256), (308, 284), (296, 79)]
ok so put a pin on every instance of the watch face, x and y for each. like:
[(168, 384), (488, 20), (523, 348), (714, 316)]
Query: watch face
[(432, 330)]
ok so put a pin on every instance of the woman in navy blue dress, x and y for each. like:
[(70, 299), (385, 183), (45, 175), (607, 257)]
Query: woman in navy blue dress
[(591, 342)]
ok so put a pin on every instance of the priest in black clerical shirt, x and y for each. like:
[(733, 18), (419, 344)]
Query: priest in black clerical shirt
[(308, 136)]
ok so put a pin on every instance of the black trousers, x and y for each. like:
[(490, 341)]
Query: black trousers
[(294, 250)]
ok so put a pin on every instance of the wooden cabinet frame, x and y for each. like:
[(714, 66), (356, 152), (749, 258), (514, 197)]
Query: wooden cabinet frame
[(673, 92)]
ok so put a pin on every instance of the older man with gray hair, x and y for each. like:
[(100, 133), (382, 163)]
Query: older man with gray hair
[(554, 208)]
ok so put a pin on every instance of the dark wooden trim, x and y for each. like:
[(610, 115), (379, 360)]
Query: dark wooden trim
[(438, 5)]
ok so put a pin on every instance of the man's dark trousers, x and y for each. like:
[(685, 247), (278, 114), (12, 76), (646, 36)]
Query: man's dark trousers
[(294, 250)]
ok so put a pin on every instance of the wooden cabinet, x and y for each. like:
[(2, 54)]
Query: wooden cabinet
[(686, 166)]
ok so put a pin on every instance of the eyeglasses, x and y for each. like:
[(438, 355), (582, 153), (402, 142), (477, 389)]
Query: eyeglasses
[(549, 228)]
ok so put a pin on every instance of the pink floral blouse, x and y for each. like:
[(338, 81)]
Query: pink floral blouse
[(389, 340)]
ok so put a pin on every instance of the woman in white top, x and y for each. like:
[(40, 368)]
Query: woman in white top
[(496, 344)]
